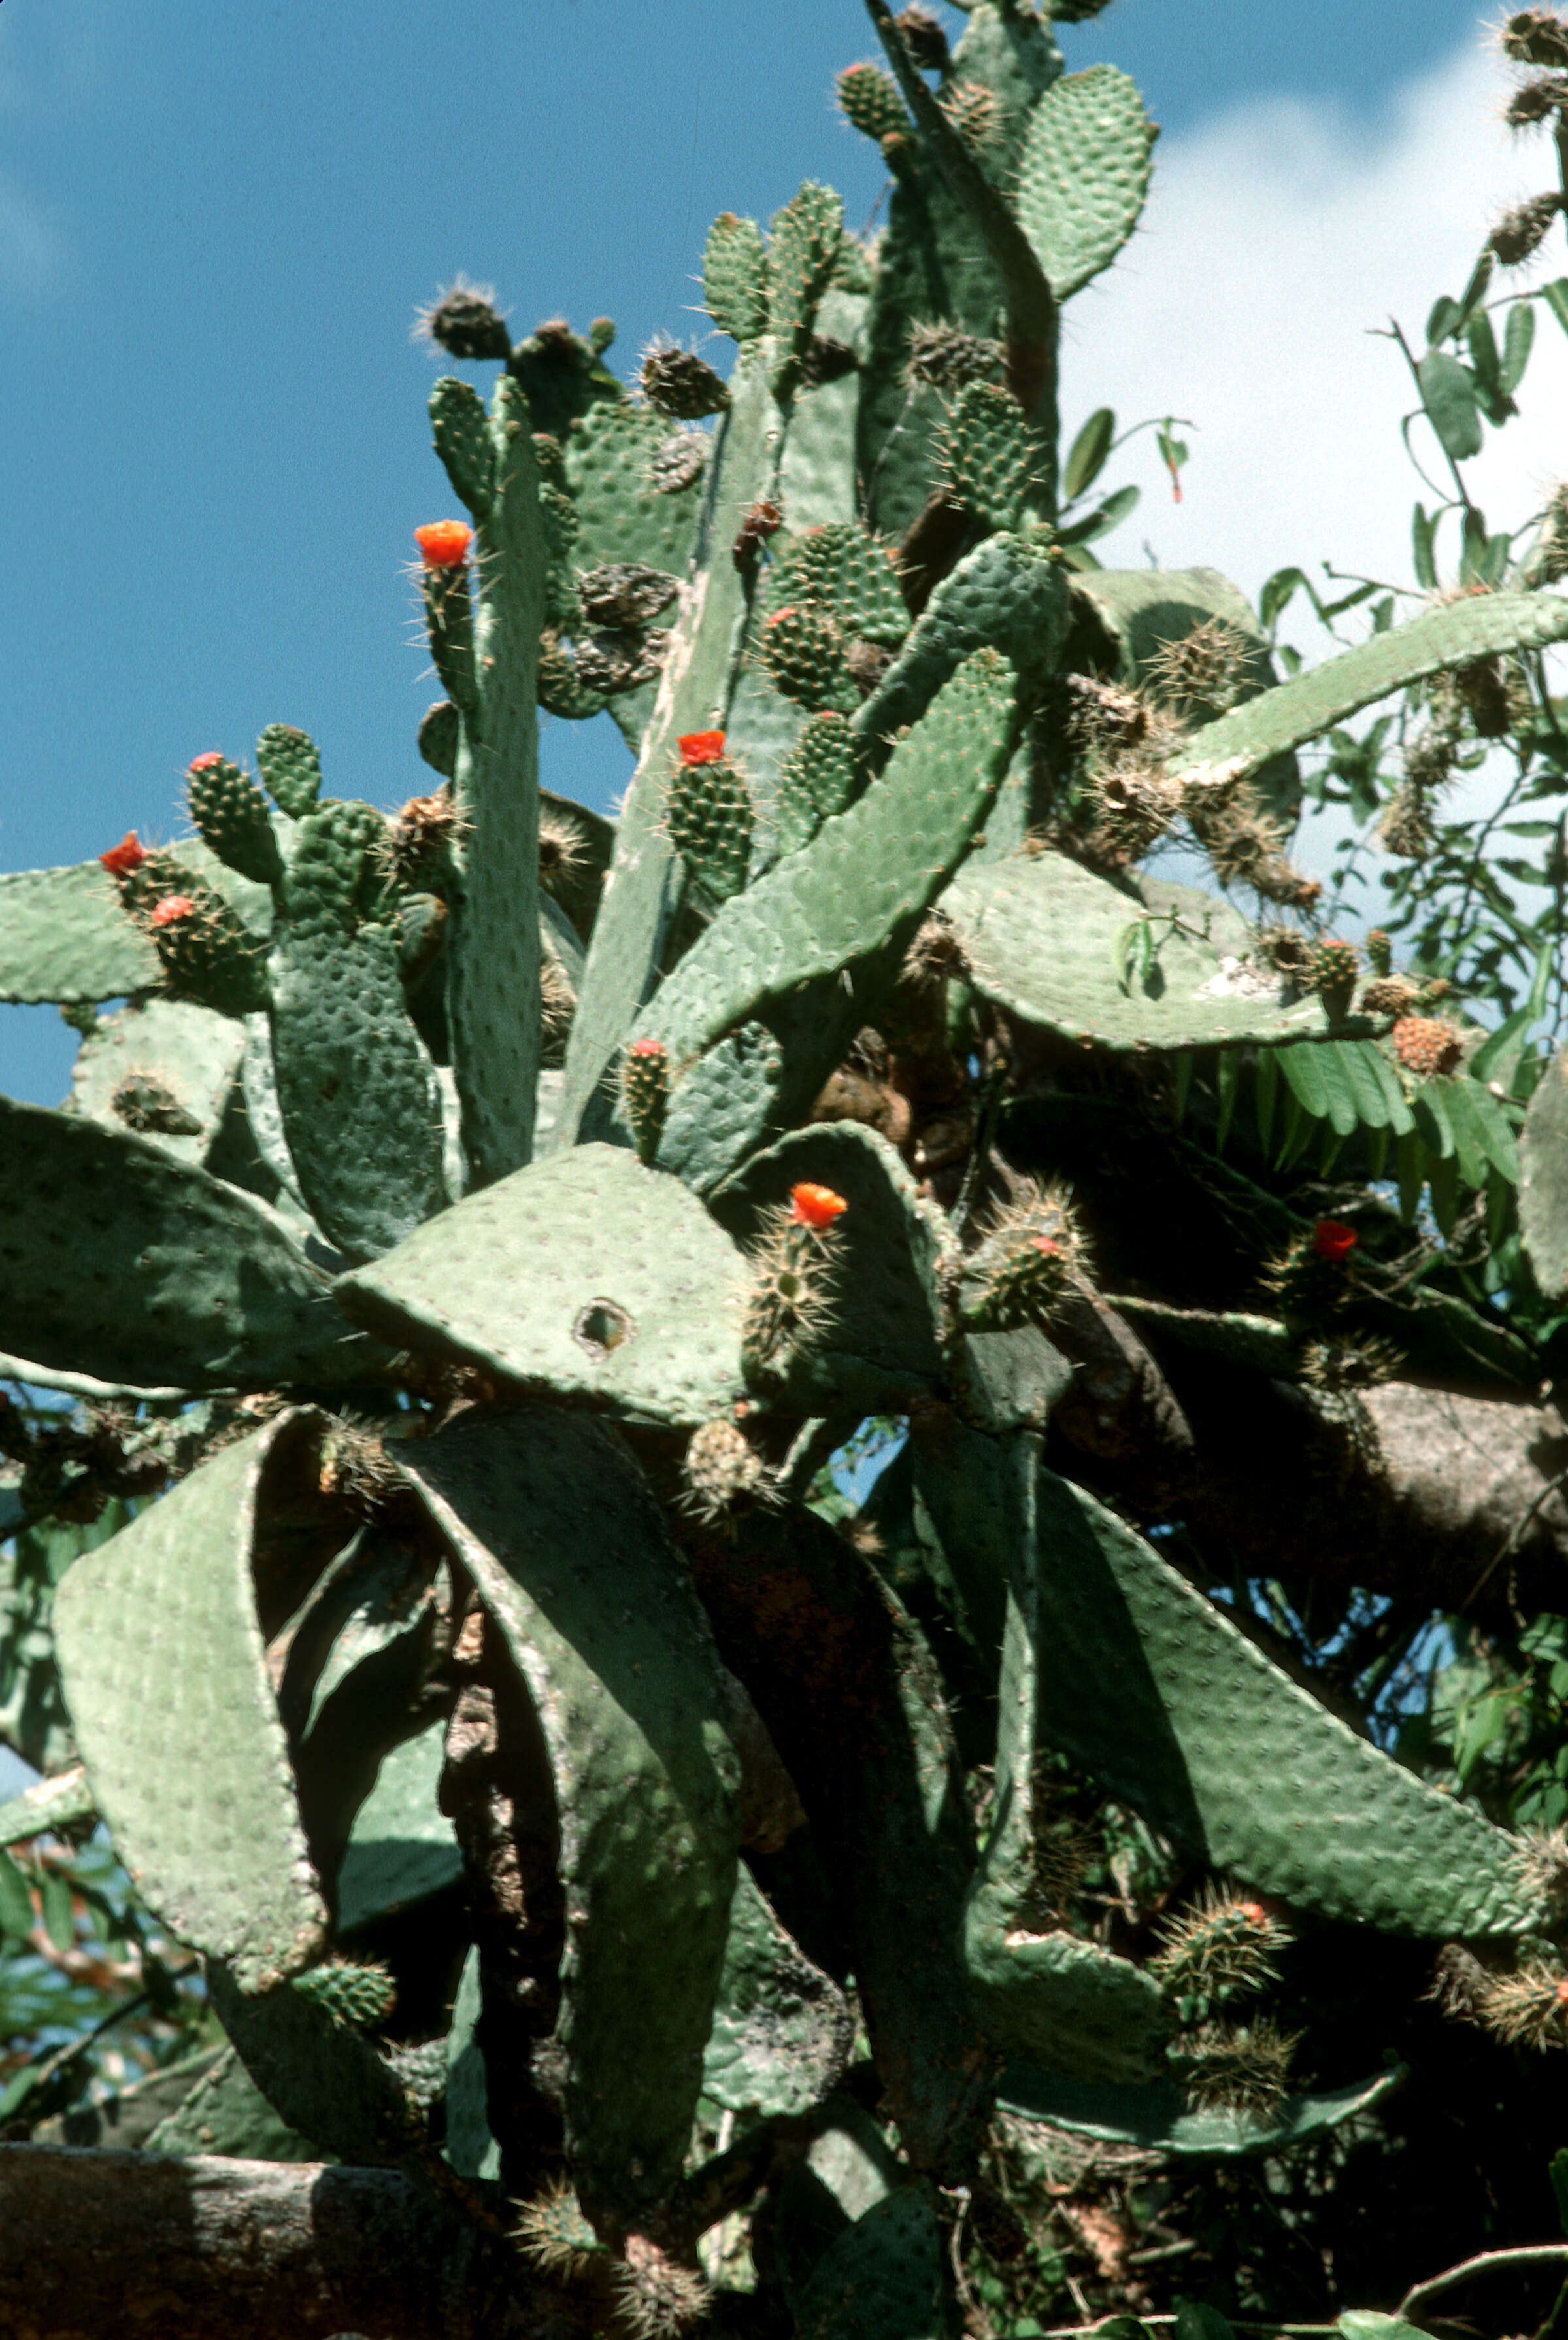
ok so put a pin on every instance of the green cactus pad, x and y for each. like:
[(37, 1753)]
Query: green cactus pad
[(866, 875), (319, 2075), (187, 1758), (880, 1349), (847, 571), (723, 1109), (782, 2029), (1006, 595), (617, 1656), (401, 1848), (290, 767), (641, 892), (492, 946), (991, 463), (804, 242), (65, 936), (470, 2147), (623, 516), (735, 278), (1544, 1180), (361, 1110), (869, 102), (1222, 1752), (815, 780), (220, 2110), (1156, 2119), (211, 1289), (883, 2278), (1480, 626), (1084, 173), (1045, 1995), (586, 1274), (206, 950), (232, 818), (165, 1070), (1143, 610), (461, 431), (1042, 937)]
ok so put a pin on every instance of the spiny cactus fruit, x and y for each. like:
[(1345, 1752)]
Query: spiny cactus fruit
[(1226, 1946), (869, 100), (553, 2235), (355, 1992), (991, 464), (291, 768), (794, 1271), (205, 950), (709, 815), (655, 2297), (645, 1094), (804, 653), (1235, 2068), (1336, 969), (463, 321), (816, 778), (681, 385), (1025, 1265), (1426, 1045), (722, 1469)]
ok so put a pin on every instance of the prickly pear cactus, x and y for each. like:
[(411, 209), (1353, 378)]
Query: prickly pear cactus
[(511, 1230)]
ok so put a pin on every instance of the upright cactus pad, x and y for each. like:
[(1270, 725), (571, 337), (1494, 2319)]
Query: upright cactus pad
[(231, 816), (290, 767), (991, 465), (709, 814), (735, 277)]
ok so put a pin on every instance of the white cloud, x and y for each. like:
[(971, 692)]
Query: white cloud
[(1274, 237)]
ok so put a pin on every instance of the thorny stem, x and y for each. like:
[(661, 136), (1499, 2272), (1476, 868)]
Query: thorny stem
[(1415, 2301)]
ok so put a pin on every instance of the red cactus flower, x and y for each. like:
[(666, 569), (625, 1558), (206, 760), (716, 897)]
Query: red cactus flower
[(779, 616), (444, 543), (172, 909), (1254, 1912), (646, 1048), (701, 746), (128, 854), (1333, 1240), (205, 763), (815, 1206), (1047, 1246)]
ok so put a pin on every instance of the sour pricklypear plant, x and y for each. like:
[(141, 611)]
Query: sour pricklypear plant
[(489, 1247)]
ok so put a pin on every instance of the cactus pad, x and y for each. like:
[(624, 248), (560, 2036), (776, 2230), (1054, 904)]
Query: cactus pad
[(709, 815), (186, 1755), (165, 1070), (290, 767), (734, 277), (992, 464), (618, 1661), (231, 816), (461, 431), (1084, 173), (849, 571), (586, 1274), (782, 2028)]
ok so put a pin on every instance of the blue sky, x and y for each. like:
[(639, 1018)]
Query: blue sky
[(215, 223)]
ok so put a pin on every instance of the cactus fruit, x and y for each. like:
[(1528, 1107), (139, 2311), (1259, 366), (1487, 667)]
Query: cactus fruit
[(1534, 36), (1224, 1947), (655, 2297), (869, 101), (1242, 2068), (990, 463), (1426, 1045), (463, 321), (803, 246), (206, 951), (231, 816), (553, 2235), (625, 593), (804, 653), (1335, 966), (849, 572), (794, 1269), (721, 1469), (1380, 952), (291, 768), (355, 1992), (734, 277), (709, 815), (1024, 1267), (815, 780), (450, 615), (948, 359), (681, 385), (646, 1094)]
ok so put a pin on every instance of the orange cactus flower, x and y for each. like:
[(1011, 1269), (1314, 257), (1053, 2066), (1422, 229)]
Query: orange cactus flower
[(815, 1206), (444, 543), (128, 854), (205, 763), (701, 746), (646, 1048), (1333, 1240), (172, 909)]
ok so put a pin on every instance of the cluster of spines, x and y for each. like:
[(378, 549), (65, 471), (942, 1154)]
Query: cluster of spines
[(359, 1993), (1226, 1946), (721, 1470), (803, 652)]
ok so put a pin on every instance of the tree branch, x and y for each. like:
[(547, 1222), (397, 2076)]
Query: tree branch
[(94, 2242)]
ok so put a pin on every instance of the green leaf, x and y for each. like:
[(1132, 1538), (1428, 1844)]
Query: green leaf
[(1448, 394), (1544, 1180), (1482, 343), (568, 1553), (1518, 338), (1278, 591), (1103, 519), (1197, 2321), (1445, 317), (166, 1678), (1555, 296), (1086, 457), (1424, 542)]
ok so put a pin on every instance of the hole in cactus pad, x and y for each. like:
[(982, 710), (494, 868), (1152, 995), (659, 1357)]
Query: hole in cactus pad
[(601, 1327)]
